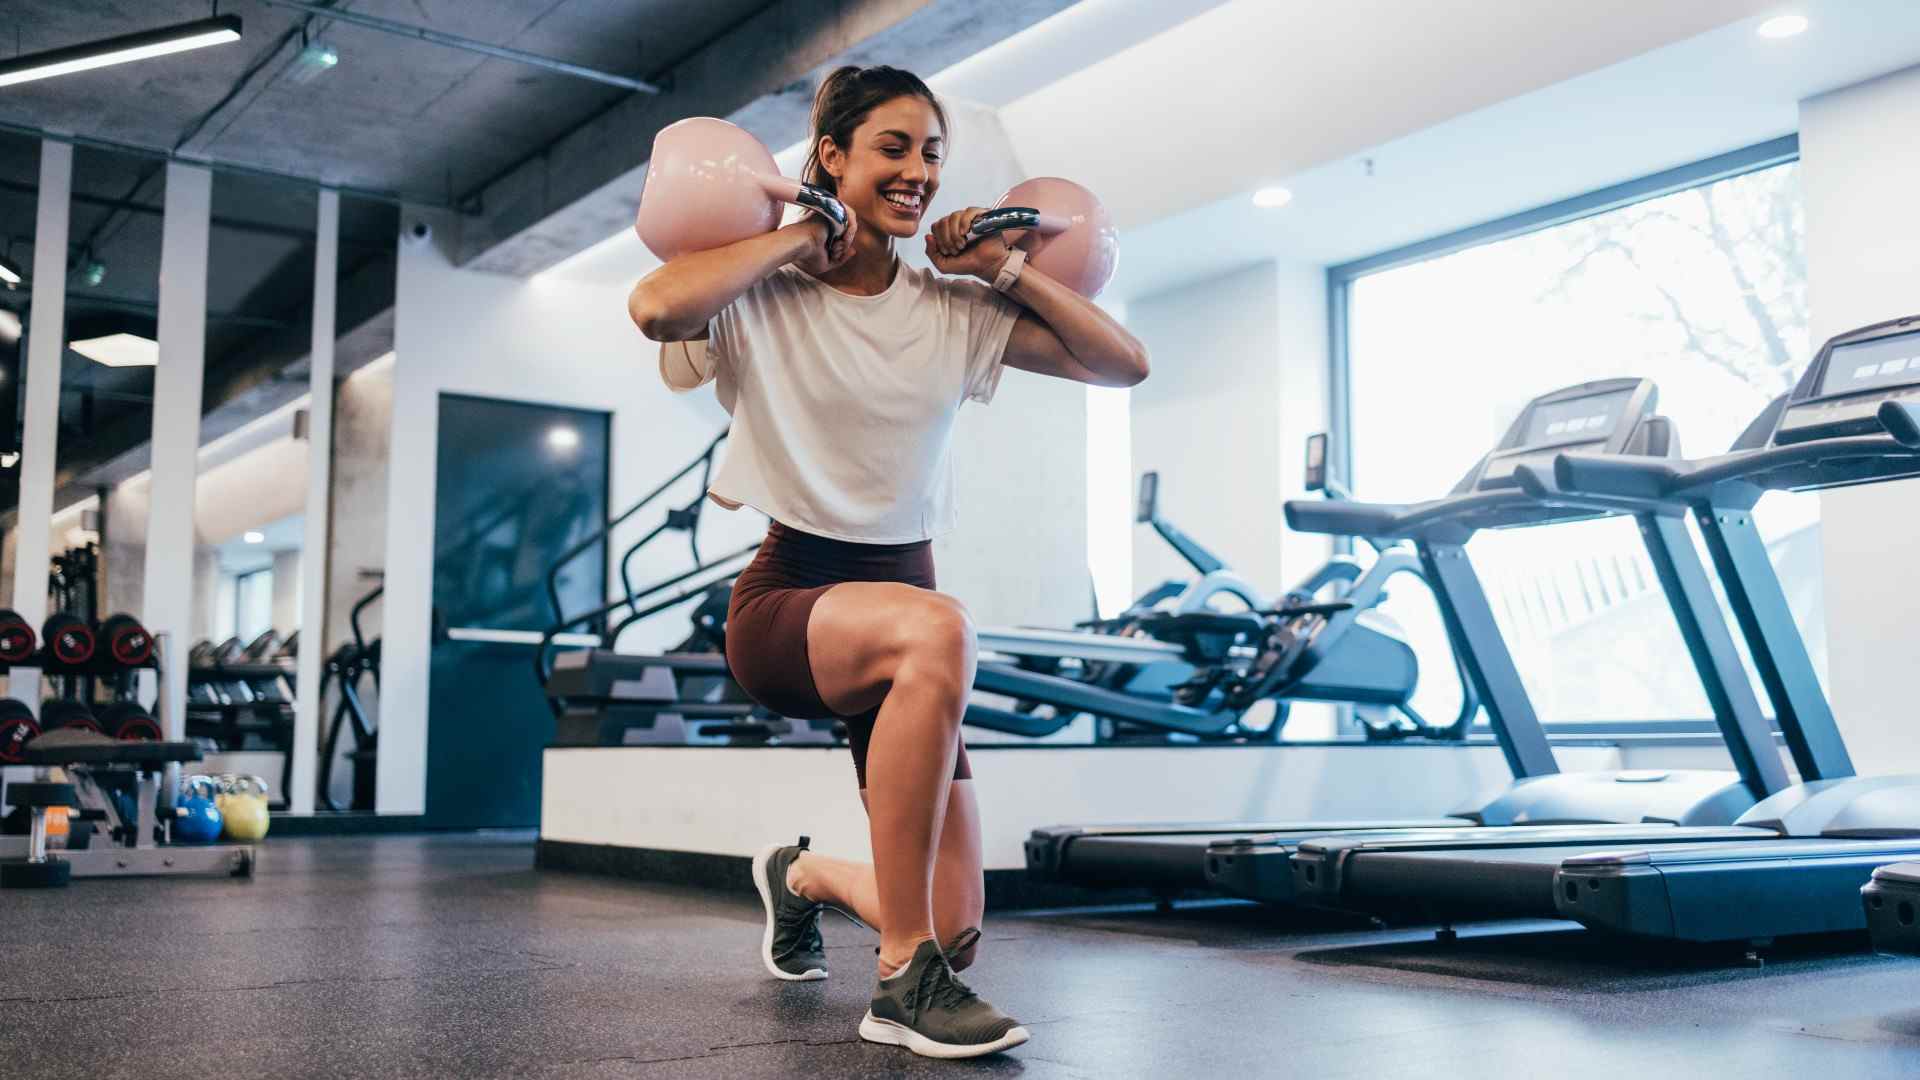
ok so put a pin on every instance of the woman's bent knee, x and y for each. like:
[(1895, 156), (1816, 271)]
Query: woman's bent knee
[(939, 635)]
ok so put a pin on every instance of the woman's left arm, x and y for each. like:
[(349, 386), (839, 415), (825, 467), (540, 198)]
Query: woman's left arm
[(1061, 333)]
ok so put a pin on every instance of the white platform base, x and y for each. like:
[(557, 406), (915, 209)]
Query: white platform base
[(731, 800)]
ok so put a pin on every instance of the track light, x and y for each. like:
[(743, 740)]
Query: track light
[(9, 273), (120, 50)]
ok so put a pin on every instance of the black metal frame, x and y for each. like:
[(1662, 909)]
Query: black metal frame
[(684, 518)]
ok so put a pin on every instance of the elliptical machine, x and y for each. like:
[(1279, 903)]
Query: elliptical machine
[(1324, 640)]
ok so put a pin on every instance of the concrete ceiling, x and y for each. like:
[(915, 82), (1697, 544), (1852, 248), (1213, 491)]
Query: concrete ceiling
[(397, 115)]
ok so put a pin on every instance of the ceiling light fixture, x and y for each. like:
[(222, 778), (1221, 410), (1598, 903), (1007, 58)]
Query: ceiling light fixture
[(121, 50), (9, 273), (253, 537), (1271, 198), (119, 350), (1783, 26), (563, 438)]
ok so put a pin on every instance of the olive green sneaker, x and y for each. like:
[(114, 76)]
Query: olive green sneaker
[(791, 947), (928, 1010)]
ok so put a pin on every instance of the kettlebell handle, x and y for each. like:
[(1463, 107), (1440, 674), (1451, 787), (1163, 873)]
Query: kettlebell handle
[(1003, 218), (812, 197)]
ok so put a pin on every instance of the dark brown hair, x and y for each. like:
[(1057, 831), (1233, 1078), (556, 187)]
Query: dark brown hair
[(845, 99)]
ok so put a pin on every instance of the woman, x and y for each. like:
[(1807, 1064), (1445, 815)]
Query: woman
[(844, 370)]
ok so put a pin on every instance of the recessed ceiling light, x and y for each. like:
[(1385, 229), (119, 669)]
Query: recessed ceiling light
[(255, 537), (121, 50), (119, 350), (1783, 26), (1268, 198), (563, 438)]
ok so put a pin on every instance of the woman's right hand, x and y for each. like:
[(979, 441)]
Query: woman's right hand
[(820, 255)]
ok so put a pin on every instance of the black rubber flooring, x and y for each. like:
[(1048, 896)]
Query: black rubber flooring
[(449, 956)]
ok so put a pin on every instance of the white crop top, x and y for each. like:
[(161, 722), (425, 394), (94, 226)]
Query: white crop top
[(843, 406)]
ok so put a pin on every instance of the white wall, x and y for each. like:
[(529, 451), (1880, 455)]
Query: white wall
[(1858, 165), (1019, 552), (662, 799), (1238, 383)]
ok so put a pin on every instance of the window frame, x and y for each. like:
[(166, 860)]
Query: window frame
[(1340, 278)]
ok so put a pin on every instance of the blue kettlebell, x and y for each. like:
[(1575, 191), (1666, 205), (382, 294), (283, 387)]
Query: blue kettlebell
[(196, 818)]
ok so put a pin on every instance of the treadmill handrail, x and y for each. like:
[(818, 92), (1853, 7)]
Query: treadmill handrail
[(1330, 517), (1902, 421), (1663, 478)]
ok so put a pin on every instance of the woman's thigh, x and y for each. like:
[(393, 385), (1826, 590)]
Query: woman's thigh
[(860, 632)]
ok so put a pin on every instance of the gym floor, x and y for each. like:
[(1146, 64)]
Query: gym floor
[(451, 956)]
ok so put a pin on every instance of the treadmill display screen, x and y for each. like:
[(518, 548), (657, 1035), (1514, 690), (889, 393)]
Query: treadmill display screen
[(1867, 365), (1587, 419)]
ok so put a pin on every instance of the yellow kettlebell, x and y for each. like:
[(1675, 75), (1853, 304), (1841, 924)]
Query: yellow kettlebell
[(245, 809)]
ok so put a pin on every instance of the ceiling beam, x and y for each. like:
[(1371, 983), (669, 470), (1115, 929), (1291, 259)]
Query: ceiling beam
[(585, 186)]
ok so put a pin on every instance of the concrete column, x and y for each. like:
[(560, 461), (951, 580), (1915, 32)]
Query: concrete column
[(169, 607), (313, 567), (46, 343)]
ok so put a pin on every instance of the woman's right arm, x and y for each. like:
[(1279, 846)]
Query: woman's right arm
[(675, 302)]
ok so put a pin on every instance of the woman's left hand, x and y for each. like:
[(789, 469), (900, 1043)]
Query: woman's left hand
[(951, 254)]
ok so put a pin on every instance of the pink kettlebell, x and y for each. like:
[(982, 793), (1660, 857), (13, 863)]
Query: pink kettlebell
[(710, 184), (1070, 236)]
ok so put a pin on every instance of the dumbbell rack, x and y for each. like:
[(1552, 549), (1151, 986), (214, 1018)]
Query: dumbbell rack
[(229, 723), (99, 667)]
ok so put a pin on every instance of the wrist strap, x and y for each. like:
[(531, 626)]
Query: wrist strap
[(1010, 270)]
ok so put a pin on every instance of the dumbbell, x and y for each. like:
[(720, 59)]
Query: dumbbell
[(17, 729), (710, 184), (56, 713), (128, 642), (17, 640), (1069, 235), (68, 638), (128, 721)]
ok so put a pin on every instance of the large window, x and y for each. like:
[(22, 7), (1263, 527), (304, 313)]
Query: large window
[(1701, 289)]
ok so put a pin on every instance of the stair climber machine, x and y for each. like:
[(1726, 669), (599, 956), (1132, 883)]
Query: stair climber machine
[(1795, 863), (1354, 655), (1611, 417)]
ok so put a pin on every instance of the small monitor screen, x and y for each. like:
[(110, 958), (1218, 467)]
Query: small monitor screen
[(1887, 361), (1587, 419)]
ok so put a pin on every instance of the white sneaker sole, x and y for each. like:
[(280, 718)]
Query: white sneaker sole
[(875, 1030), (760, 862)]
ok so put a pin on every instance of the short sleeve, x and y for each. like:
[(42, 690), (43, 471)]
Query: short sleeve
[(686, 365), (988, 318)]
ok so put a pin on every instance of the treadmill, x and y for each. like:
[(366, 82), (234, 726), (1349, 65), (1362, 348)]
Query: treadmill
[(1799, 857), (1854, 418), (1610, 417)]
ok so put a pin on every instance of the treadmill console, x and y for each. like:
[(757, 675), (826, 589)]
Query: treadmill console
[(1841, 393), (1592, 418)]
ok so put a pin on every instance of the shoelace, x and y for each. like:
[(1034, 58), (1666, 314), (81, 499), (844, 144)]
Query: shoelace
[(946, 989)]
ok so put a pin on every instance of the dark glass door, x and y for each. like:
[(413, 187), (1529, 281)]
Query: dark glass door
[(518, 484)]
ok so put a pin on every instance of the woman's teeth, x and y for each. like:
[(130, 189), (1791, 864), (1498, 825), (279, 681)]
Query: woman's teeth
[(909, 203)]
